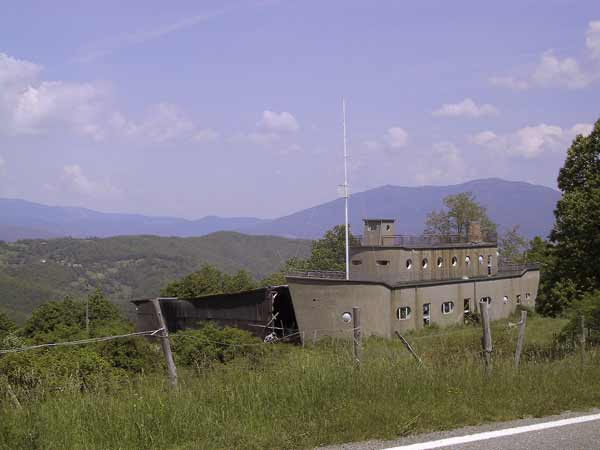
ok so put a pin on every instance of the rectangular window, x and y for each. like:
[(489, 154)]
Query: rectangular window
[(426, 314), (518, 299), (403, 313), (356, 262), (382, 262), (467, 305), (372, 227), (447, 307)]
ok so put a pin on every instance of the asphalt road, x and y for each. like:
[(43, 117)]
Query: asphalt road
[(569, 431)]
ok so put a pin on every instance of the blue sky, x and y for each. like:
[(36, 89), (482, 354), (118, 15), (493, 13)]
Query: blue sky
[(234, 108)]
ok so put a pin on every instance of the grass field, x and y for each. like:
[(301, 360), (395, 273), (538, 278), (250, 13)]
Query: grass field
[(301, 398)]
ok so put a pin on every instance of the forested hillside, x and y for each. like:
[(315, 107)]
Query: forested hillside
[(126, 267)]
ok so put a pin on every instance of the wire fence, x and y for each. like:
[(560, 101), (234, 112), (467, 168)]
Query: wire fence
[(80, 341)]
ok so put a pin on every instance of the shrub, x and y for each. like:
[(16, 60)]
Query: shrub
[(210, 344)]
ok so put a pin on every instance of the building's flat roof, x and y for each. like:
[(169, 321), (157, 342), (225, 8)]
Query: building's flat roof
[(408, 284), (428, 246), (379, 220)]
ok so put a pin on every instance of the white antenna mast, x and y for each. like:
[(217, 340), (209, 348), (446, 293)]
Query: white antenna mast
[(346, 192)]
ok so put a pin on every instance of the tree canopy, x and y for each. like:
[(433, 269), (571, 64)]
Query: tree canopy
[(459, 210), (573, 263), (512, 246), (209, 281)]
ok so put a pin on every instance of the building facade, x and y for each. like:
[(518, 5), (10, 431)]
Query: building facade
[(408, 282)]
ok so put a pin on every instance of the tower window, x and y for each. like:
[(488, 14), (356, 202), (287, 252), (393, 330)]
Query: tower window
[(382, 262), (454, 261), (440, 261), (467, 260), (409, 264)]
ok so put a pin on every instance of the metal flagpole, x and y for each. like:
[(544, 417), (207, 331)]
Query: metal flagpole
[(346, 193)]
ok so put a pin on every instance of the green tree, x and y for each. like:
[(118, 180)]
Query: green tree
[(209, 281), (329, 253), (240, 281), (538, 251), (459, 210), (65, 319), (574, 266), (6, 325), (55, 321), (512, 246)]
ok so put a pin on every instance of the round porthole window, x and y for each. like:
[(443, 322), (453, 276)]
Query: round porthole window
[(347, 317), (425, 263), (409, 264)]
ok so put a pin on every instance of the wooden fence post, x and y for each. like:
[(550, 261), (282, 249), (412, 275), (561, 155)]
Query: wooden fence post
[(357, 334), (409, 348), (486, 340), (521, 338), (582, 336), (165, 343)]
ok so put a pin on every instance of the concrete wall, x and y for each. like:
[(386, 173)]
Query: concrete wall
[(389, 264), (319, 303), (319, 307)]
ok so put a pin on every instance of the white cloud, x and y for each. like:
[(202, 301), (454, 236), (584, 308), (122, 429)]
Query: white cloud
[(444, 164), (531, 141), (581, 128), (163, 122), (262, 138), (466, 108), (552, 71), (29, 105), (396, 137), (17, 71), (510, 82), (53, 105), (275, 122), (129, 39), (75, 180), (206, 135), (483, 138), (592, 39)]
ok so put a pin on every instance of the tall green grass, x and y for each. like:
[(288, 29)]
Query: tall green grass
[(302, 398)]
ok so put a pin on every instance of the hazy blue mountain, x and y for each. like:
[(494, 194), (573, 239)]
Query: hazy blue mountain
[(22, 219), (509, 203)]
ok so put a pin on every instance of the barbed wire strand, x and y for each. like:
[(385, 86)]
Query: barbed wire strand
[(80, 342)]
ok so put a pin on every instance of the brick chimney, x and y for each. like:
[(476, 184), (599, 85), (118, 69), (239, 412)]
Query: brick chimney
[(474, 232)]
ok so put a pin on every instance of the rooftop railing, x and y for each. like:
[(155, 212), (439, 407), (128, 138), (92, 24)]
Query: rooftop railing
[(429, 240), (327, 274)]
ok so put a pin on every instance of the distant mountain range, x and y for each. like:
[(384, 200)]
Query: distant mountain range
[(508, 203)]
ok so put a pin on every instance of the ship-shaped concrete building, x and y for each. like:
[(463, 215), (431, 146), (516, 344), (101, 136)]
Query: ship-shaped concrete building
[(405, 282)]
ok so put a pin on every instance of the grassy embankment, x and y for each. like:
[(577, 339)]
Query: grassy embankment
[(301, 398)]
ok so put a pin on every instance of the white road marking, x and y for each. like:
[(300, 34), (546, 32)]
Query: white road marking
[(496, 434)]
